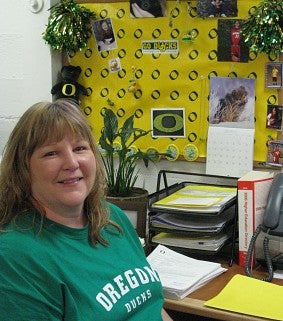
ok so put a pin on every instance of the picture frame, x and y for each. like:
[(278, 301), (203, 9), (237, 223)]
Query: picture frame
[(104, 34), (168, 122), (231, 45), (232, 101), (273, 75), (148, 8), (217, 8), (275, 153), (274, 117)]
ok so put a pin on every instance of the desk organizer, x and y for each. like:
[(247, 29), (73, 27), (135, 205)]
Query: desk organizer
[(196, 232)]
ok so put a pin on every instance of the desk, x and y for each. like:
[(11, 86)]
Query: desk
[(194, 303)]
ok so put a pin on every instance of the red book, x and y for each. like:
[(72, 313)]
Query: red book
[(253, 189)]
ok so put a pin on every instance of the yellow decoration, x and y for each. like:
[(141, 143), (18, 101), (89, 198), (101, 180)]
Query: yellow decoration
[(133, 82), (167, 80), (154, 152), (173, 151), (191, 152)]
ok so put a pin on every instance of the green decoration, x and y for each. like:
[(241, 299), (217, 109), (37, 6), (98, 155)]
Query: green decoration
[(263, 29), (69, 26)]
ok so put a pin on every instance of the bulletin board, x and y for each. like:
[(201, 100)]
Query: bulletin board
[(174, 81)]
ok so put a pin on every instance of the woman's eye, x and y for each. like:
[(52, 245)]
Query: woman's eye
[(51, 153), (80, 148)]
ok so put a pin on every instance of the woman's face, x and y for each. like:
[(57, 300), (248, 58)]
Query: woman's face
[(62, 175), (104, 26)]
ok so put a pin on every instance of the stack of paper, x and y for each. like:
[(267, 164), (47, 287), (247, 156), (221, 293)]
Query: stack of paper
[(180, 275), (183, 222), (203, 243), (198, 198)]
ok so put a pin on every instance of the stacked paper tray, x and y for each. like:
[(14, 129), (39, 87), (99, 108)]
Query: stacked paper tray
[(193, 198), (192, 224)]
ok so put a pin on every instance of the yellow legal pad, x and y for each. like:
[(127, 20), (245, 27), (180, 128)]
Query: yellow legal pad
[(250, 296)]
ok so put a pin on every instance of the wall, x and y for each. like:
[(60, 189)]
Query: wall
[(168, 80), (192, 93), (26, 69)]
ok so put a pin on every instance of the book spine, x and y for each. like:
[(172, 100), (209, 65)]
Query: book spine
[(252, 197), (245, 208)]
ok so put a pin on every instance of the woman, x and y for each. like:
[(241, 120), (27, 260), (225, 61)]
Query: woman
[(106, 37), (65, 254), (107, 32), (273, 119)]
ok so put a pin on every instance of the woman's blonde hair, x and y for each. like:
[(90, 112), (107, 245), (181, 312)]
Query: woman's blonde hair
[(41, 122)]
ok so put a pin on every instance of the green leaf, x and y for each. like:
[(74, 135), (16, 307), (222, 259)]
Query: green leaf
[(127, 130), (120, 165), (109, 131)]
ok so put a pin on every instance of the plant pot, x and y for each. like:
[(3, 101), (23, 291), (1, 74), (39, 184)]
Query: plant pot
[(137, 202)]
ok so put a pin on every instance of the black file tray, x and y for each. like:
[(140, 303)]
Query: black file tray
[(174, 188), (199, 179)]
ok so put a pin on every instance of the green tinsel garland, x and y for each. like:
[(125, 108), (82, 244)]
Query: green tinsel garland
[(263, 29), (68, 27)]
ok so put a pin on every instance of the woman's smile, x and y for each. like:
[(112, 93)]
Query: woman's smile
[(62, 176)]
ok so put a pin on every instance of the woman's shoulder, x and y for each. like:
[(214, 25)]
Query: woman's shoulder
[(23, 233), (16, 241)]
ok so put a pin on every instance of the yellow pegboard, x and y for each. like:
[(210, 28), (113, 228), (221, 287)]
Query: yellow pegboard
[(167, 80)]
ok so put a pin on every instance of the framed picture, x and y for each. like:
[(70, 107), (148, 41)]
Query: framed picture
[(148, 8), (275, 153), (274, 117), (231, 45), (168, 122), (232, 101), (273, 75), (217, 8), (104, 34)]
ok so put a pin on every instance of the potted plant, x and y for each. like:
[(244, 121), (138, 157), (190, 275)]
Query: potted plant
[(119, 154), (121, 159)]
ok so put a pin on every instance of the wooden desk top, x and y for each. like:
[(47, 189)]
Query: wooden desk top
[(194, 303)]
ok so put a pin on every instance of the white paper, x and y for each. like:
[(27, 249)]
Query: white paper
[(195, 201), (209, 243), (180, 274), (229, 151)]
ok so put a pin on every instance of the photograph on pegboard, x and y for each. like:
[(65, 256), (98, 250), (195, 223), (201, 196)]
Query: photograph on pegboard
[(274, 117), (104, 34), (217, 8), (275, 153), (273, 74), (148, 8), (114, 64), (232, 101), (231, 45)]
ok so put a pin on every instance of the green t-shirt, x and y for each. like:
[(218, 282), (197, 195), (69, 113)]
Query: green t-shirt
[(57, 275)]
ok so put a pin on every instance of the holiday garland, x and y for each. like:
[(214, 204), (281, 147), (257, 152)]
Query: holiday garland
[(263, 29), (69, 26)]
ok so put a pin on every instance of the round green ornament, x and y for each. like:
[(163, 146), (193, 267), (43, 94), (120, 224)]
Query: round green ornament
[(191, 152)]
